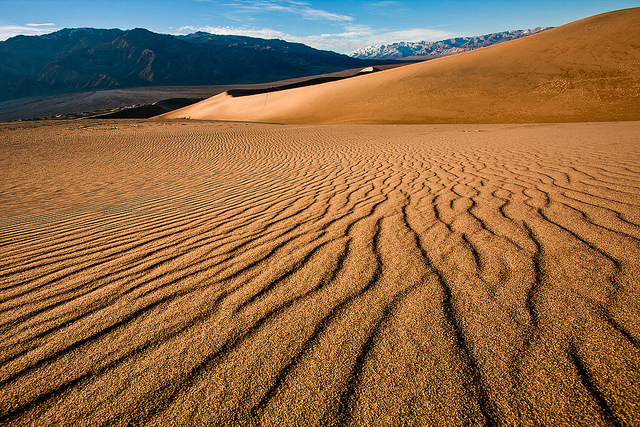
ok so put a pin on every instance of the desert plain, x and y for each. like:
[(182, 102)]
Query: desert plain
[(187, 272)]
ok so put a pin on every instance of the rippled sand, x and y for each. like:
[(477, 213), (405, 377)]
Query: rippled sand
[(192, 273)]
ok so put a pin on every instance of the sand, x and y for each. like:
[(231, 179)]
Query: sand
[(588, 70), (92, 103), (205, 273)]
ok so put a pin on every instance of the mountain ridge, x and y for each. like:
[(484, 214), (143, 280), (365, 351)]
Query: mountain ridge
[(76, 59), (426, 50)]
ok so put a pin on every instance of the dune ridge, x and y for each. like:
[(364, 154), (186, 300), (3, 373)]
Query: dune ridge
[(203, 273), (588, 70)]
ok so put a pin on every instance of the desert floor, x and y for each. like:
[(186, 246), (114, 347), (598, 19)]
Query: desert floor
[(174, 273)]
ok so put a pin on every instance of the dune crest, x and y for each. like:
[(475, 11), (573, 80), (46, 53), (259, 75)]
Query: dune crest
[(588, 70)]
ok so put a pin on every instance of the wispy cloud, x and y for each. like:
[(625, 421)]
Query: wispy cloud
[(301, 9), (7, 31), (353, 36), (387, 3)]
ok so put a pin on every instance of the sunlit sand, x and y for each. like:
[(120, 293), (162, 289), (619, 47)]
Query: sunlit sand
[(237, 274)]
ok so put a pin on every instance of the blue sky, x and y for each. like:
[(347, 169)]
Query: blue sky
[(326, 24)]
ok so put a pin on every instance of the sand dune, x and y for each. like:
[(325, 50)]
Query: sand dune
[(588, 70), (202, 273), (91, 103)]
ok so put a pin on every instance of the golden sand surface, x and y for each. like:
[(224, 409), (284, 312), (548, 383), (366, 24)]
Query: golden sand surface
[(588, 70), (210, 273)]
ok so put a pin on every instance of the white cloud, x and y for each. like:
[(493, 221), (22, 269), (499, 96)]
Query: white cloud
[(317, 14), (7, 31), (353, 36), (411, 35), (349, 38), (263, 33)]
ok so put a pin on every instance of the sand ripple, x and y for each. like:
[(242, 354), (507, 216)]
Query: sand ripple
[(235, 274)]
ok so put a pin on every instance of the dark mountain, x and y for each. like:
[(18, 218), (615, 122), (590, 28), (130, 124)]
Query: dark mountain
[(86, 58)]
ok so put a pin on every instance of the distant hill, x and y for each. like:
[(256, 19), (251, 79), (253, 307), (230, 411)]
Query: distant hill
[(87, 58), (426, 50), (587, 70)]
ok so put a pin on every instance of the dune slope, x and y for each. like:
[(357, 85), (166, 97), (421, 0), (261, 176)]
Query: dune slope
[(588, 70), (202, 273)]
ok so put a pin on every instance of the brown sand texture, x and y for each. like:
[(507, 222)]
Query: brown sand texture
[(230, 274), (588, 70)]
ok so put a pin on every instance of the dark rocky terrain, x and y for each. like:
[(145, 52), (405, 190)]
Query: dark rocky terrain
[(75, 60)]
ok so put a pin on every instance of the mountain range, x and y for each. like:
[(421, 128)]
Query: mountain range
[(425, 50), (87, 58)]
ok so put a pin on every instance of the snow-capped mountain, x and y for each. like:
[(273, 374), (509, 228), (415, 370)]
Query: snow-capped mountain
[(425, 50)]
